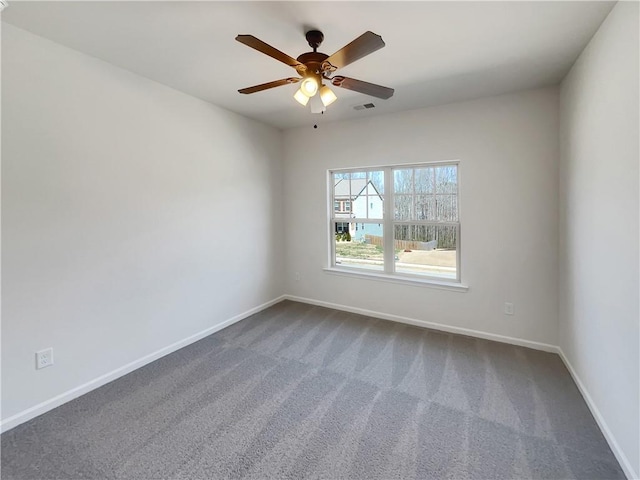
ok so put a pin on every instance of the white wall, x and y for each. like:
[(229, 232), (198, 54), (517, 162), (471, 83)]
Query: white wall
[(508, 152), (599, 315), (133, 216)]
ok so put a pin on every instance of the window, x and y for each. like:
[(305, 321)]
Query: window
[(342, 227), (419, 236), (342, 206)]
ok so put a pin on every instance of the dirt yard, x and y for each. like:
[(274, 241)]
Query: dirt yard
[(436, 258)]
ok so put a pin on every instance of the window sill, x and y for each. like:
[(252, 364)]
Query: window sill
[(384, 277)]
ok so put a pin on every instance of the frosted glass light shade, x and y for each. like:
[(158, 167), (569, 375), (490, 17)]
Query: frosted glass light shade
[(316, 104), (309, 86), (301, 97), (327, 96)]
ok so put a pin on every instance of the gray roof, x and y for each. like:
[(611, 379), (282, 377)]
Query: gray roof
[(341, 188)]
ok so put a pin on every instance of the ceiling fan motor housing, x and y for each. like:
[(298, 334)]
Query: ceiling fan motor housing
[(313, 61)]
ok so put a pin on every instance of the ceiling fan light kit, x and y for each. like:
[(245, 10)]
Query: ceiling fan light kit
[(314, 67), (309, 86), (301, 97), (327, 96), (316, 104)]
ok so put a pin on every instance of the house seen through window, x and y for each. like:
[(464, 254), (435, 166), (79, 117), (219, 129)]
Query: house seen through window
[(397, 220)]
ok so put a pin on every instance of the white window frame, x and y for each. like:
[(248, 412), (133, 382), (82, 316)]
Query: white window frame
[(388, 221)]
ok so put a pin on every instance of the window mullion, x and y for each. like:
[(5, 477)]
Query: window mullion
[(332, 214), (413, 213), (389, 252)]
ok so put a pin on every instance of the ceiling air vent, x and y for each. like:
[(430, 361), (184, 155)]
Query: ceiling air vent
[(364, 107)]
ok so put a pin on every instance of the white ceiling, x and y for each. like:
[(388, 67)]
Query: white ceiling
[(436, 52)]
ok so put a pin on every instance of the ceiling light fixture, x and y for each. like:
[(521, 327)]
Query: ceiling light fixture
[(316, 104), (301, 98), (309, 86), (327, 96), (315, 67)]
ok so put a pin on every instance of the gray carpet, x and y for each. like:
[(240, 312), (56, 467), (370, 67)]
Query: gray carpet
[(298, 391)]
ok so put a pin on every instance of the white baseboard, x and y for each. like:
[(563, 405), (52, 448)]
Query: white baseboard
[(29, 413), (435, 326), (613, 444)]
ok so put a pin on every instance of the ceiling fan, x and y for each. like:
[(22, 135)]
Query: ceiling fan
[(314, 67)]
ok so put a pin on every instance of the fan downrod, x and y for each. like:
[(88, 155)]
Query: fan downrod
[(315, 38)]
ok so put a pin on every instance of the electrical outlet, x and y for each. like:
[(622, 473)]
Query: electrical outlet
[(297, 276), (508, 308), (44, 358)]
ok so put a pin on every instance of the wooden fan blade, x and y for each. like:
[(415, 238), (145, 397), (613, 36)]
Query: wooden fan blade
[(266, 86), (363, 87), (257, 44), (365, 44)]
